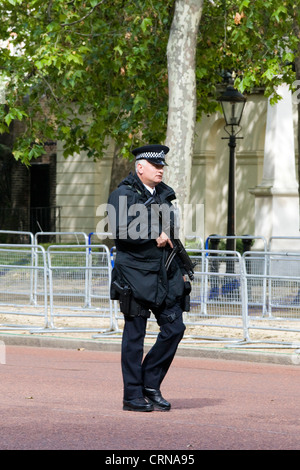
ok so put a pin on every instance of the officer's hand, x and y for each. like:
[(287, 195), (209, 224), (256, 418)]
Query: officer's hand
[(163, 239)]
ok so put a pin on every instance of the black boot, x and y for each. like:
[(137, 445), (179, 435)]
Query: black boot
[(138, 404), (155, 397)]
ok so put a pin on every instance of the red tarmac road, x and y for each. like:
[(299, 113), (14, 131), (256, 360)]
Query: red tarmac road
[(72, 399)]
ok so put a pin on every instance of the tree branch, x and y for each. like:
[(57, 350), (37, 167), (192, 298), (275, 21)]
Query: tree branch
[(48, 85), (84, 17)]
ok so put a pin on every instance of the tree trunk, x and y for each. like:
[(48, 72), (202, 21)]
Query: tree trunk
[(297, 65), (181, 52), (296, 30)]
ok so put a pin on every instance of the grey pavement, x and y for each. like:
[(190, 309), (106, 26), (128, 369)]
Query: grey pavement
[(263, 352)]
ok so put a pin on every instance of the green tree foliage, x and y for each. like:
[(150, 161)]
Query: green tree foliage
[(254, 40), (81, 71)]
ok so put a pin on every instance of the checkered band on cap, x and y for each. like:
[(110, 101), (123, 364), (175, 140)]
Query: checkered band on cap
[(151, 155)]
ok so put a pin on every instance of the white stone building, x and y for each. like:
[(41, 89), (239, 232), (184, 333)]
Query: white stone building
[(267, 201)]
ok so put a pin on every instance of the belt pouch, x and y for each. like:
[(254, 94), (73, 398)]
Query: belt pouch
[(124, 299)]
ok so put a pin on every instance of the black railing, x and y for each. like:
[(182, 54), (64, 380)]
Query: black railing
[(33, 219)]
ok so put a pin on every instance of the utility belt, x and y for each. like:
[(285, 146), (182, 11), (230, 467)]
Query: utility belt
[(131, 308), (128, 305)]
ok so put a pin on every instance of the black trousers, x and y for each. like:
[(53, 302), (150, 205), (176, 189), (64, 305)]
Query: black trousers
[(151, 371)]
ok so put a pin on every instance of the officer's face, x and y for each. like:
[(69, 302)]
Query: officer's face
[(150, 173)]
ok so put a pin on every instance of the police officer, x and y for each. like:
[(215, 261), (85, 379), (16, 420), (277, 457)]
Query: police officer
[(141, 282)]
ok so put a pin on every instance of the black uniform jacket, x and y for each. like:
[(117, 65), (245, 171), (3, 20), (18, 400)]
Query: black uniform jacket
[(139, 263)]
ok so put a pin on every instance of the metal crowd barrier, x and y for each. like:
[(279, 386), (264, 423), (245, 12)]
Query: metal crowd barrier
[(69, 285), (218, 299), (20, 235), (273, 285), (246, 239), (219, 296), (75, 236), (284, 244), (79, 285), (23, 271)]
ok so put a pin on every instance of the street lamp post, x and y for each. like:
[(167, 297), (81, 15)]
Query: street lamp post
[(233, 104)]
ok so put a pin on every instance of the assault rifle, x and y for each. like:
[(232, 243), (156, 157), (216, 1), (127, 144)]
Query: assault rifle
[(178, 248)]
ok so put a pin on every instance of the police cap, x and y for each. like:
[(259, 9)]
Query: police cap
[(152, 153)]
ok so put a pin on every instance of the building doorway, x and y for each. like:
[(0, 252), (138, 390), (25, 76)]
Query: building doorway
[(40, 210)]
